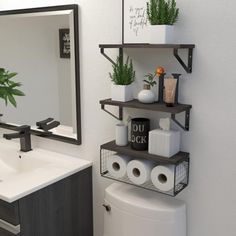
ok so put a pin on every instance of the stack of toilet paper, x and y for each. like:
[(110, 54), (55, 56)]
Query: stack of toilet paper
[(141, 172)]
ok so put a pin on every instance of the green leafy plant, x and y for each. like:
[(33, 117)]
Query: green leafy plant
[(162, 12), (8, 87), (123, 74), (150, 79)]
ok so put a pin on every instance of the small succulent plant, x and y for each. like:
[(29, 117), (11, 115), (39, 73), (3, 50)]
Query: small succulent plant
[(162, 12), (123, 74), (150, 79)]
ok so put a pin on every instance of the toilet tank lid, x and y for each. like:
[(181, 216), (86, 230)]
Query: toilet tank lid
[(144, 203)]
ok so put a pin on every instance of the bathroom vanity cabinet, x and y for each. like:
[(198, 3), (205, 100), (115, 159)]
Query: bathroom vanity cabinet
[(61, 209)]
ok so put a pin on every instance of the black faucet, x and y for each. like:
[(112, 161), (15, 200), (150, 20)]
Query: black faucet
[(23, 135)]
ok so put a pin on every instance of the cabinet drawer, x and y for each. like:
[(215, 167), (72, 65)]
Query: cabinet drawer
[(4, 232), (9, 212)]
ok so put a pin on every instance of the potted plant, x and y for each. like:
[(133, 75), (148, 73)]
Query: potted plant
[(122, 77), (162, 15), (8, 87), (147, 95)]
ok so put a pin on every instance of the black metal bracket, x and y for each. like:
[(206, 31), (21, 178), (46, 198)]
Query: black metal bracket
[(120, 117), (188, 67), (108, 58), (185, 127)]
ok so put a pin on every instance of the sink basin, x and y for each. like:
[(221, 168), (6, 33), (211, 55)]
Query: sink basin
[(24, 173), (14, 163)]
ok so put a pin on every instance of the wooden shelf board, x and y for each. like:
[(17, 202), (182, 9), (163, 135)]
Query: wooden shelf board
[(176, 46), (127, 150), (178, 108)]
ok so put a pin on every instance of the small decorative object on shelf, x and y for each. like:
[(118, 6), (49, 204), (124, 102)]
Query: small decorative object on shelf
[(146, 95), (122, 77), (139, 133), (162, 15), (176, 76), (169, 91), (164, 142), (160, 72), (121, 134)]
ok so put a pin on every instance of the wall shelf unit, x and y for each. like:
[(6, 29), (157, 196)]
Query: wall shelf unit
[(161, 107), (176, 47), (180, 161)]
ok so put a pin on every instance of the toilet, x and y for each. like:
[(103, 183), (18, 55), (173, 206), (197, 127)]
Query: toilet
[(132, 211)]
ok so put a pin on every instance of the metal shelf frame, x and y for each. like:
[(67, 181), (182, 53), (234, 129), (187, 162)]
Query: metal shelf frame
[(161, 107), (176, 47)]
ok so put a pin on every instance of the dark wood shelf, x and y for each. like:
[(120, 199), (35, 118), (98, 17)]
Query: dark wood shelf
[(173, 46), (178, 108), (127, 150)]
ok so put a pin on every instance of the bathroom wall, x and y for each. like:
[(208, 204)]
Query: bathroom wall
[(211, 194)]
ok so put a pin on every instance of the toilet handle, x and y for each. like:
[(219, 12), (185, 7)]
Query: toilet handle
[(107, 207)]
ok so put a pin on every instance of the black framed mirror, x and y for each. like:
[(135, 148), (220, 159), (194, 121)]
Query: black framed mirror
[(42, 46)]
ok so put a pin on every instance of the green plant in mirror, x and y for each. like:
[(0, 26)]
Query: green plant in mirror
[(9, 89), (123, 73), (162, 12)]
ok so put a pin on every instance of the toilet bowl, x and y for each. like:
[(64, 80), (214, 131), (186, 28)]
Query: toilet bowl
[(132, 211)]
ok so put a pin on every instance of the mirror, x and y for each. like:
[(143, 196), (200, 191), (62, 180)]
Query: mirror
[(42, 46)]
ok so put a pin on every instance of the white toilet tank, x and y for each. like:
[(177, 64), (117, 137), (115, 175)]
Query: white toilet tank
[(132, 211)]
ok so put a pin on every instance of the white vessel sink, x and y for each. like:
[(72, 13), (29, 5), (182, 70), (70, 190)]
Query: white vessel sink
[(23, 173)]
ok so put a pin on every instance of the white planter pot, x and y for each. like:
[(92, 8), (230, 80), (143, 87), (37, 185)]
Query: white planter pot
[(146, 96), (122, 93), (161, 34)]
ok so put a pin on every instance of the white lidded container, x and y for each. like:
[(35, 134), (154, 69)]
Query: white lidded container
[(132, 211), (164, 142)]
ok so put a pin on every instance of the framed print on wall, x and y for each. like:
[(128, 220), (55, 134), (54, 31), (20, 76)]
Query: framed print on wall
[(135, 21)]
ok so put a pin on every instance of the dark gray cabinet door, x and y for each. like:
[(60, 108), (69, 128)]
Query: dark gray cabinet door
[(4, 232), (61, 209), (9, 212)]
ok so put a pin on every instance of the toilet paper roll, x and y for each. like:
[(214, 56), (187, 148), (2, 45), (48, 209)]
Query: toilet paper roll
[(117, 165), (163, 177), (139, 171)]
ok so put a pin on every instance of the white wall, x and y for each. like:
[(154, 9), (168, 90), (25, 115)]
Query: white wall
[(210, 89)]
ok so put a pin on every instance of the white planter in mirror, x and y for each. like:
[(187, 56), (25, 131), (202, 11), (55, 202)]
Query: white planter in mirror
[(122, 93), (161, 34)]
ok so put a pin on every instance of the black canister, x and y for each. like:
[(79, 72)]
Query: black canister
[(140, 128)]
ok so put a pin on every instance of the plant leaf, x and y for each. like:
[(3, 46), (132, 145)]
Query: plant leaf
[(11, 100)]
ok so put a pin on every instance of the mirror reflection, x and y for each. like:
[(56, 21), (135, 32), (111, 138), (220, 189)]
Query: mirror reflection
[(40, 48)]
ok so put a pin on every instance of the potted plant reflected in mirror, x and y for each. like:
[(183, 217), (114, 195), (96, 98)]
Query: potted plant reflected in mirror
[(9, 89), (122, 77), (162, 15), (147, 95)]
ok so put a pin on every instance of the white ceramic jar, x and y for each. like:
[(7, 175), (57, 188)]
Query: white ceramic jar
[(146, 95)]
